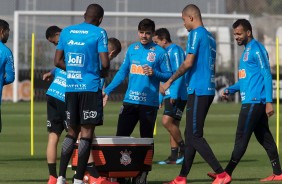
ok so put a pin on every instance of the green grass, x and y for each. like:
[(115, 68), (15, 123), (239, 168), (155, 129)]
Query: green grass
[(18, 166)]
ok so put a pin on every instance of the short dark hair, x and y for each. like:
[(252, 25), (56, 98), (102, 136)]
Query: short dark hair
[(146, 24), (115, 43), (51, 31), (94, 11), (4, 25), (163, 33), (244, 23)]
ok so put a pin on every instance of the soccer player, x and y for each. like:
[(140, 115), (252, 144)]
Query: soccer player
[(200, 60), (175, 98), (79, 51), (145, 64), (255, 86), (56, 108), (7, 72)]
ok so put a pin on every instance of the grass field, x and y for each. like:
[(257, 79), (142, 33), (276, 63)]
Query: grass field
[(18, 166)]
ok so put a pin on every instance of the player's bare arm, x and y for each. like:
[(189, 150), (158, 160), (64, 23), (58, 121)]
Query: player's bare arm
[(59, 59), (188, 63)]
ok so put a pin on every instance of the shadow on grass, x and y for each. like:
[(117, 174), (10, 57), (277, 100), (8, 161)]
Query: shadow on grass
[(29, 159), (24, 181), (220, 161)]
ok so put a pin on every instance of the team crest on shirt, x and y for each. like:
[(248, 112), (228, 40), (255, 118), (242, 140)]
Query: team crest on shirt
[(152, 48), (246, 56), (136, 47), (125, 157), (151, 56)]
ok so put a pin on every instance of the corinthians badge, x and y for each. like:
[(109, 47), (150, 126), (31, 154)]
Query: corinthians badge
[(125, 157)]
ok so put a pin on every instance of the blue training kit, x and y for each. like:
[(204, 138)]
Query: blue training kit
[(82, 44), (255, 80), (142, 89)]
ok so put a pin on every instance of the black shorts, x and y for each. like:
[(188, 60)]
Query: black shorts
[(100, 112), (174, 110), (82, 108), (129, 116), (56, 115)]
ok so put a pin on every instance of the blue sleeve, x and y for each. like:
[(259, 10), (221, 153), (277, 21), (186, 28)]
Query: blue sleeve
[(234, 88), (262, 58), (193, 42), (120, 75), (176, 58), (103, 42), (9, 69), (163, 72)]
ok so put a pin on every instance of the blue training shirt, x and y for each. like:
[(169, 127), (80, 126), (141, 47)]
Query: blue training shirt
[(82, 44), (142, 89), (58, 86), (7, 72), (178, 89), (201, 76), (255, 80)]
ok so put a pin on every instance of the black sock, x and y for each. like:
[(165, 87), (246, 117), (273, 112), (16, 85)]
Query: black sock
[(84, 148), (67, 149), (181, 145), (92, 170), (276, 166), (231, 166), (52, 169), (174, 153)]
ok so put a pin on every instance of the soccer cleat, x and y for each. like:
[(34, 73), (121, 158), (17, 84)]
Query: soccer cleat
[(100, 180), (222, 180), (273, 177), (211, 175), (169, 160), (179, 160), (177, 180), (52, 180), (86, 177), (61, 180)]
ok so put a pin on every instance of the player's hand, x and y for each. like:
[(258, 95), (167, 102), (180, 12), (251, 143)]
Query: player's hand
[(225, 94), (148, 70), (47, 76), (105, 99), (172, 101), (160, 105), (269, 109), (164, 87)]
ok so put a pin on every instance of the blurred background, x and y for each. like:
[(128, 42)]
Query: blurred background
[(218, 17)]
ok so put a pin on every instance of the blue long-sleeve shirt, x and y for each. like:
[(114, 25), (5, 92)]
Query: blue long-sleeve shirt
[(7, 72), (142, 89), (255, 80)]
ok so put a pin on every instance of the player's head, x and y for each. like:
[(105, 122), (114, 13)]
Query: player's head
[(114, 47), (162, 37), (242, 31), (4, 31), (146, 29), (94, 14), (52, 34), (191, 16)]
